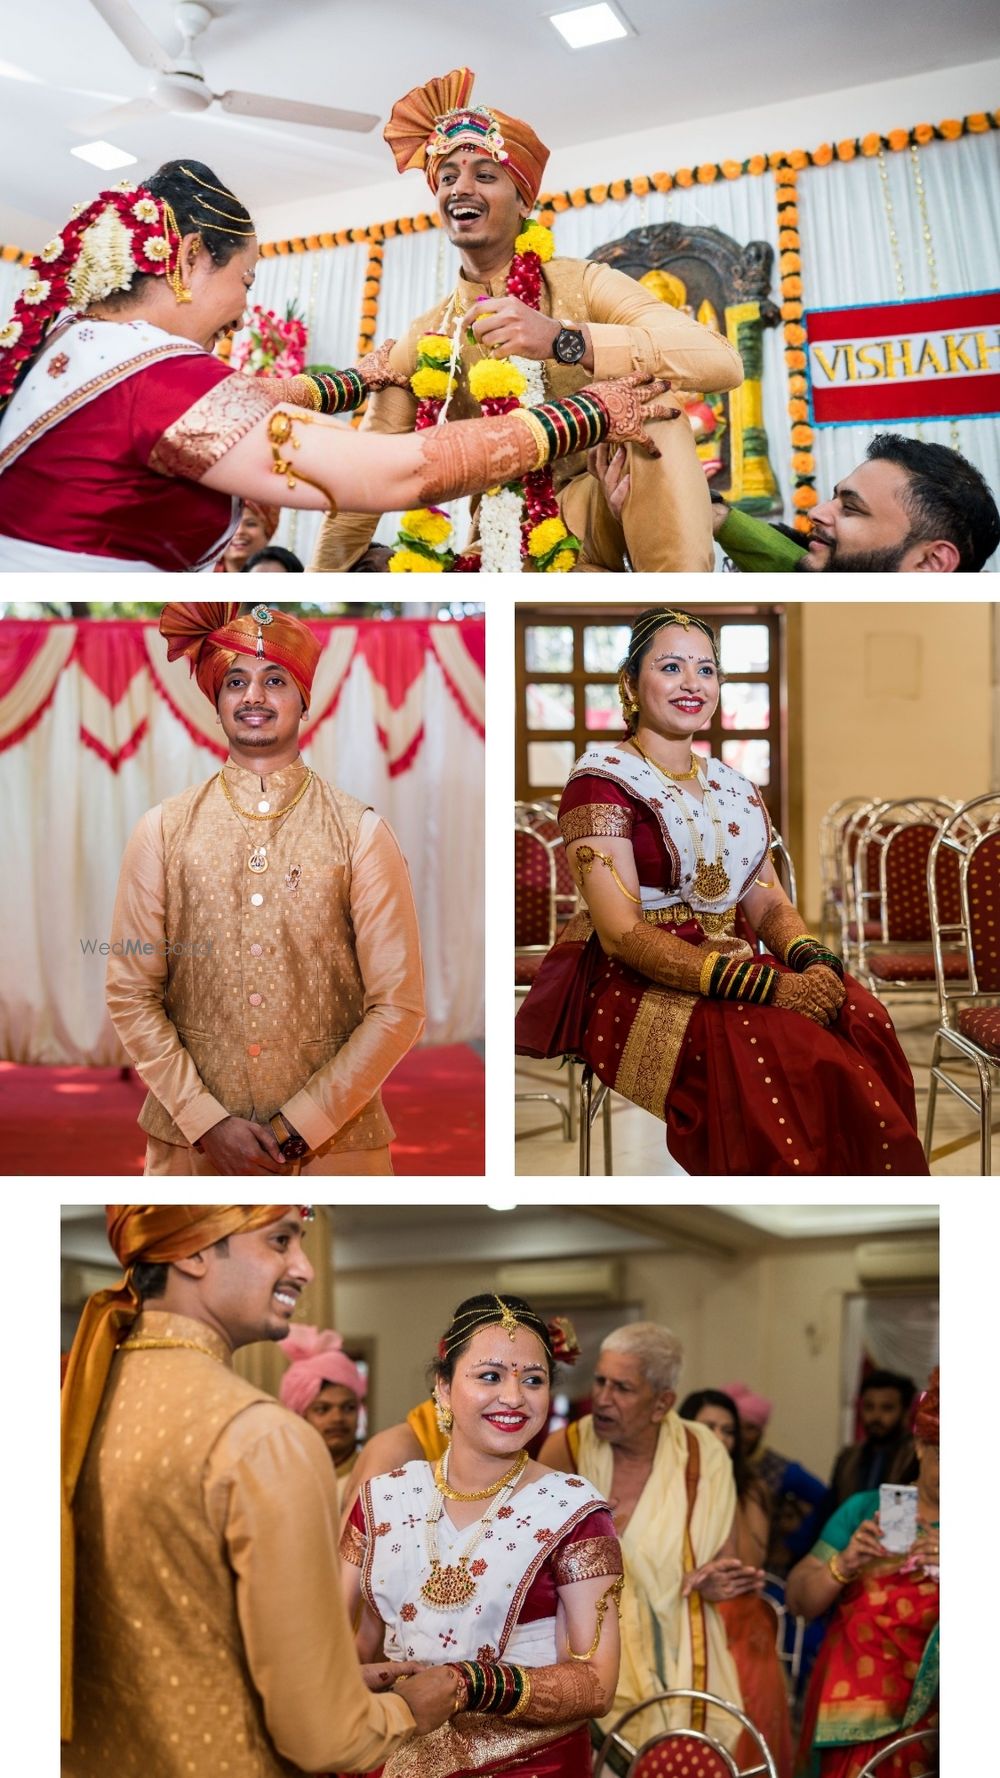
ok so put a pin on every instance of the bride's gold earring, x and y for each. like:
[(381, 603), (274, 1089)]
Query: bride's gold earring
[(442, 1414)]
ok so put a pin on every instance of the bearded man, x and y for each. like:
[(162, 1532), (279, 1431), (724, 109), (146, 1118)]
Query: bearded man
[(485, 169), (265, 974), (203, 1629)]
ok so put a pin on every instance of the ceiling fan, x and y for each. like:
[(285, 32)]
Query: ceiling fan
[(180, 83)]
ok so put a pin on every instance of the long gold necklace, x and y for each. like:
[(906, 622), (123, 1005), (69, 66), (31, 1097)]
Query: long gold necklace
[(257, 861), (444, 1487), (711, 881), (451, 1586)]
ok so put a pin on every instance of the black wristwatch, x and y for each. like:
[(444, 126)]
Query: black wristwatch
[(569, 345), (291, 1144)]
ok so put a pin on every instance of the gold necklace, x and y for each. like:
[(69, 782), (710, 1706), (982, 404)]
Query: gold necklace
[(252, 815), (676, 777), (150, 1345), (451, 1586), (444, 1487), (257, 861), (711, 881)]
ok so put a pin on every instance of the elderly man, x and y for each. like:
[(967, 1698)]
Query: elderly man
[(563, 322), (265, 971), (670, 1484), (203, 1630)]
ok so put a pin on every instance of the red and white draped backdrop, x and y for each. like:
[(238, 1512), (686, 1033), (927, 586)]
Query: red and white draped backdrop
[(96, 727)]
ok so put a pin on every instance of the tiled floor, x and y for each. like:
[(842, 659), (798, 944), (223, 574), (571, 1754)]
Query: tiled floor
[(638, 1145)]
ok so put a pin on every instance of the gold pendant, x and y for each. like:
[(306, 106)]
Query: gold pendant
[(257, 860), (711, 880), (448, 1588)]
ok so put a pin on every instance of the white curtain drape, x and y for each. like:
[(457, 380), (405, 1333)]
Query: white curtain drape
[(898, 1333), (326, 287), (847, 258), (70, 817)]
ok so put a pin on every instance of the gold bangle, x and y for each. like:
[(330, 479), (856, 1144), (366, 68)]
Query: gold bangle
[(538, 433), (842, 1580), (304, 391), (706, 971)]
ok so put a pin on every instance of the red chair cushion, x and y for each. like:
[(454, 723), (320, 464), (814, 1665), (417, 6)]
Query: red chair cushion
[(526, 968), (873, 930), (916, 966), (682, 1757), (982, 1025)]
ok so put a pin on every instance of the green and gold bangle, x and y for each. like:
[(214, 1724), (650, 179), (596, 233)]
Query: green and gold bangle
[(340, 391), (805, 952), (731, 979)]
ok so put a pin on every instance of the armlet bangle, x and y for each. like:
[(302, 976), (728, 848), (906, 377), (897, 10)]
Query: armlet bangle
[(281, 429), (614, 1592), (585, 860), (842, 1580)]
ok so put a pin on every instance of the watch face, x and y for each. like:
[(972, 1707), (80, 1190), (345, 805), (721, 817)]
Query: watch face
[(569, 346)]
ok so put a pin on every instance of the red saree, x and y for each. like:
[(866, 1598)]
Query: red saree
[(876, 1678), (742, 1089)]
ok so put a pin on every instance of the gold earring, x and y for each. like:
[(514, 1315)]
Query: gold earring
[(442, 1414), (632, 709)]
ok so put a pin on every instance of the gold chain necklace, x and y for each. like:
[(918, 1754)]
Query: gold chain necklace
[(675, 777), (257, 861), (146, 1344), (711, 881), (444, 1487), (451, 1586)]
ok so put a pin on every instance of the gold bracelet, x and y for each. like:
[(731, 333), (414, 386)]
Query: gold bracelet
[(539, 435), (281, 428), (706, 971), (842, 1580)]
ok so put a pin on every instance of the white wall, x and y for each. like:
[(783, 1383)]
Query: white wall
[(797, 123)]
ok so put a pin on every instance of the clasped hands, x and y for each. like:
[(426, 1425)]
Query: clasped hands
[(237, 1145), (725, 1577), (817, 994), (428, 1692)]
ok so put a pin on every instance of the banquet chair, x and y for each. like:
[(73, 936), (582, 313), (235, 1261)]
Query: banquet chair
[(536, 924), (831, 881), (850, 835), (595, 1099), (916, 1765), (791, 1631), (894, 950), (683, 1752), (969, 1028)]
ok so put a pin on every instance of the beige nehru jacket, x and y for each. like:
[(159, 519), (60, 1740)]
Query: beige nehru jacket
[(211, 1638), (295, 990), (631, 331)]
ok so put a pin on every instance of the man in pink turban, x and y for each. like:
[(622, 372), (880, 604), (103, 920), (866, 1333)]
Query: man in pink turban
[(327, 1389), (795, 1492)]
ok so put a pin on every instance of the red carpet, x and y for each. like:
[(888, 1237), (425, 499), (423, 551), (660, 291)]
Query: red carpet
[(80, 1122)]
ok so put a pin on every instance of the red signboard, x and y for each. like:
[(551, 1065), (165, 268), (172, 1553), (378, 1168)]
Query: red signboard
[(937, 359)]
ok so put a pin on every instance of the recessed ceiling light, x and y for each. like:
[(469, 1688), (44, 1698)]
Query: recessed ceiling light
[(587, 25), (104, 155), (500, 1208)]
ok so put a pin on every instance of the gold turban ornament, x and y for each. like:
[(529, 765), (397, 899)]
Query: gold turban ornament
[(431, 121), (157, 1234), (212, 635)]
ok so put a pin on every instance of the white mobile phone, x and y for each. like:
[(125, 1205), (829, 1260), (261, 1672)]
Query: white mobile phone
[(897, 1517)]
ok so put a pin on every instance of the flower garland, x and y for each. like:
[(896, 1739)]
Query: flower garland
[(102, 248), (804, 495), (271, 346), (418, 546), (521, 521)]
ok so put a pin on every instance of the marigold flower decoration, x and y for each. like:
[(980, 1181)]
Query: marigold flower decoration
[(271, 345), (103, 246), (418, 551), (520, 523)]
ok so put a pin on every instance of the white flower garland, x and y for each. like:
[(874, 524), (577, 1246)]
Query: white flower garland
[(500, 514)]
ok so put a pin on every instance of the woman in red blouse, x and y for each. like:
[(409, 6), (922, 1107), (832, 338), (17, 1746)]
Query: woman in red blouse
[(486, 1560)]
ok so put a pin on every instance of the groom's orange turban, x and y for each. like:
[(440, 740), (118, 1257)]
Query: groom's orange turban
[(429, 122), (212, 635)]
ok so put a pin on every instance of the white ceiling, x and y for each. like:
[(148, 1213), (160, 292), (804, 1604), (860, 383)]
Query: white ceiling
[(686, 61), (418, 1234)]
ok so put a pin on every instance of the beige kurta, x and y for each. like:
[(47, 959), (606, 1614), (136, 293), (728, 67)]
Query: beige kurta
[(667, 518), (297, 990), (211, 1639)]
